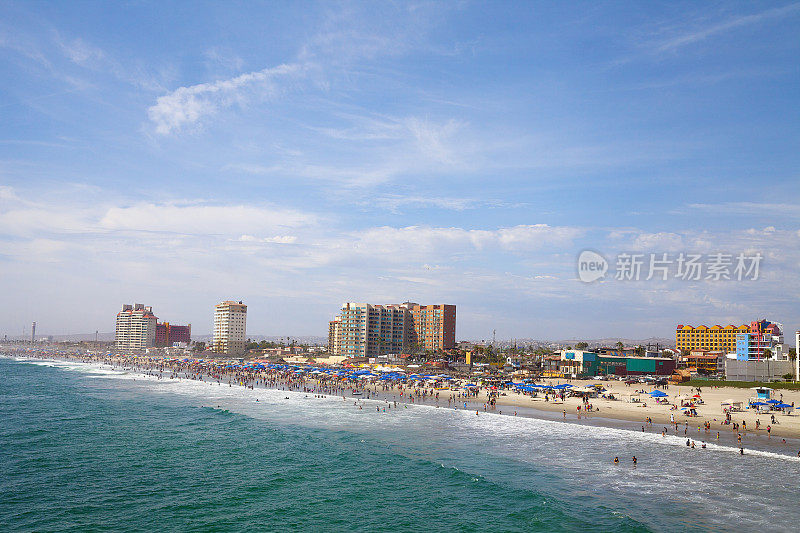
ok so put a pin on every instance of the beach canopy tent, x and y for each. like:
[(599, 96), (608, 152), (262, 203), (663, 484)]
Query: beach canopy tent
[(773, 401), (584, 390), (782, 406)]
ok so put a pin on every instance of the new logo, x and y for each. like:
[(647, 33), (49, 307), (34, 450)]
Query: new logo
[(591, 266)]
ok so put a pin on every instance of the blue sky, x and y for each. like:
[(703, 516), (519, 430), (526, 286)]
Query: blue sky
[(297, 155)]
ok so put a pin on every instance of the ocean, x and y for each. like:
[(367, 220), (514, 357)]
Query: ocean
[(88, 448)]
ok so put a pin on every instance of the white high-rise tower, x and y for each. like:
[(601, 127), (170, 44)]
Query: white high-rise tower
[(136, 327), (230, 328), (797, 356)]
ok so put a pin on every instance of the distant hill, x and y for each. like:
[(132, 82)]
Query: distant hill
[(593, 343), (299, 339)]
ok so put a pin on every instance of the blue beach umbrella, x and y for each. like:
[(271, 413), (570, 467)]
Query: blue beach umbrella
[(658, 394)]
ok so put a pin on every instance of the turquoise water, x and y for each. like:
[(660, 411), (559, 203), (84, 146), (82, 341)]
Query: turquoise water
[(86, 448)]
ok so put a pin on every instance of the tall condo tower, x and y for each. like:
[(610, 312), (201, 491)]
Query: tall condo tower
[(136, 327), (230, 328)]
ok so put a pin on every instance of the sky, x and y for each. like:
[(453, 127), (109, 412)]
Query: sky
[(298, 155)]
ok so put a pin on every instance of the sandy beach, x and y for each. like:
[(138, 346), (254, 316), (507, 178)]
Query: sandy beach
[(660, 414)]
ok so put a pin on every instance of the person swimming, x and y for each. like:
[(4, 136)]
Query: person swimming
[(616, 459)]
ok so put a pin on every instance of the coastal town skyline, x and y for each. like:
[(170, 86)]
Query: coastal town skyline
[(399, 266), (437, 152), (164, 332)]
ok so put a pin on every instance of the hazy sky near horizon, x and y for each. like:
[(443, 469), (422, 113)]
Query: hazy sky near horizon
[(297, 155)]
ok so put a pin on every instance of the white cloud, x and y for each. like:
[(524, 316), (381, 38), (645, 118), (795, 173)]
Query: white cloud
[(278, 239), (185, 106), (414, 240), (7, 193), (394, 203), (22, 218), (663, 241), (434, 140), (203, 219)]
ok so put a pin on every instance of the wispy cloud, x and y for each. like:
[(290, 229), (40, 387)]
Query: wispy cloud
[(747, 208), (185, 106), (277, 239), (726, 26), (396, 203), (80, 52)]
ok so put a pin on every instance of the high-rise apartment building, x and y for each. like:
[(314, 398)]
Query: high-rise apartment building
[(797, 356), (435, 326), (370, 330), (168, 334), (230, 325), (136, 327), (334, 334)]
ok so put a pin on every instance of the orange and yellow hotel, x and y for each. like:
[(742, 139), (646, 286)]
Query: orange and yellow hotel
[(714, 338)]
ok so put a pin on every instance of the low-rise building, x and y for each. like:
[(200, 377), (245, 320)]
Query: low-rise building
[(168, 334), (580, 363), (756, 370), (703, 362)]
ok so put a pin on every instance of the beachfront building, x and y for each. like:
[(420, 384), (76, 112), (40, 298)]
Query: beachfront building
[(435, 326), (168, 334), (714, 338), (334, 335), (703, 362), (797, 356), (135, 328), (763, 340), (369, 330), (372, 330), (580, 363), (230, 326)]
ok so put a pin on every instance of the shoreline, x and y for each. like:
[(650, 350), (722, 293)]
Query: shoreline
[(629, 417)]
